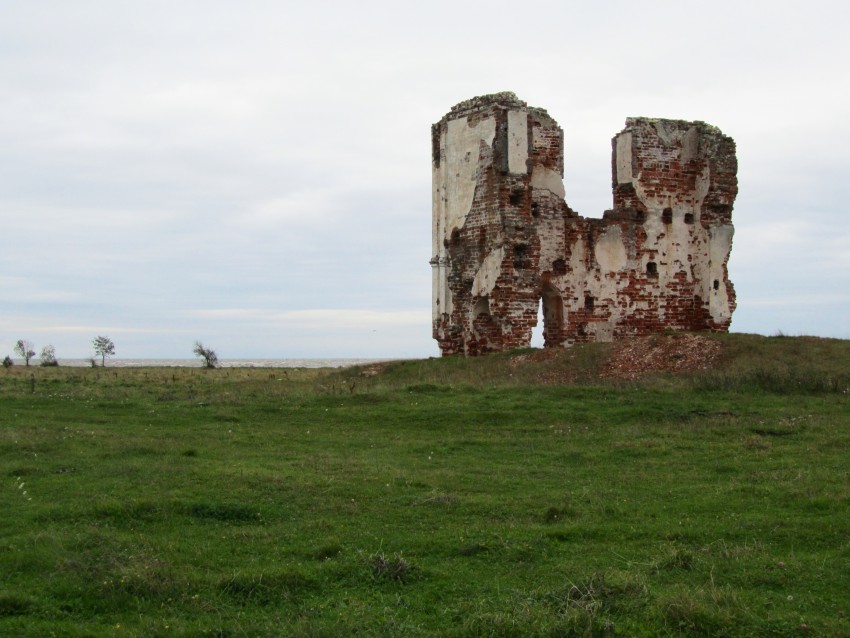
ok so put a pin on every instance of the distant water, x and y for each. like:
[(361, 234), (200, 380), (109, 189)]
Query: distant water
[(224, 363)]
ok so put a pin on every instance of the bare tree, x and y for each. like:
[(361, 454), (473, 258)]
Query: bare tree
[(48, 356), (103, 347), (24, 348), (207, 354)]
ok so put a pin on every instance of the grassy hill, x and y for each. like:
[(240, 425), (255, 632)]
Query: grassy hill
[(676, 485)]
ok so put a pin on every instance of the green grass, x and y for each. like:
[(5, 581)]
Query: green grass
[(456, 497)]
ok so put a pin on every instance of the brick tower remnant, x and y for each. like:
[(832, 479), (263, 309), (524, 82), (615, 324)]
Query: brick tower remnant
[(505, 241)]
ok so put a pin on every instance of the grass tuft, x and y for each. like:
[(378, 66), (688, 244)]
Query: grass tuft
[(223, 512), (267, 589), (394, 568), (14, 605)]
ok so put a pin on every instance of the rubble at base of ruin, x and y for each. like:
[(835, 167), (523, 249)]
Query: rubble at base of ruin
[(505, 241)]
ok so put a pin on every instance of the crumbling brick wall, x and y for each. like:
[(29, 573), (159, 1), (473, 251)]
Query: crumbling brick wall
[(505, 241)]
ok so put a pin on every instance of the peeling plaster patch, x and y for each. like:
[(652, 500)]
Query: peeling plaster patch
[(546, 179), (624, 158), (610, 252), (462, 151), (517, 142), (664, 134), (679, 247), (701, 186), (489, 272), (690, 144), (603, 331), (577, 255), (720, 245)]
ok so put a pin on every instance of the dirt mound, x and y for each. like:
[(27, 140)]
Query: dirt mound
[(531, 357), (661, 353)]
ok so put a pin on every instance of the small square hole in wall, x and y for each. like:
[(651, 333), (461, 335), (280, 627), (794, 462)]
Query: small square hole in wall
[(588, 302), (717, 284), (482, 307), (516, 197), (652, 270), (667, 216), (559, 267), (689, 218), (521, 257)]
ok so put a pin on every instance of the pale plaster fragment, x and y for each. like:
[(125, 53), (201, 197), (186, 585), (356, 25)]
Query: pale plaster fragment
[(719, 247), (610, 251), (517, 142), (462, 151), (488, 273), (624, 158), (546, 179)]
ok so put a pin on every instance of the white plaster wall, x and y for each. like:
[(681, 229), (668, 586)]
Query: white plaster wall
[(517, 142)]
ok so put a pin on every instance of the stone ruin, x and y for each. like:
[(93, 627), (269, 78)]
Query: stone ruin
[(505, 241)]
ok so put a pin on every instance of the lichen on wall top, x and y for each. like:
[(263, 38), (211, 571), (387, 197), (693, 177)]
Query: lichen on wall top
[(505, 242)]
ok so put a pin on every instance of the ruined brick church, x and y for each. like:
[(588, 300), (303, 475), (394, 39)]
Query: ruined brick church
[(505, 242)]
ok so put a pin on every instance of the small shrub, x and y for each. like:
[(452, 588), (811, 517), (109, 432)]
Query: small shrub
[(207, 354), (7, 362), (48, 357)]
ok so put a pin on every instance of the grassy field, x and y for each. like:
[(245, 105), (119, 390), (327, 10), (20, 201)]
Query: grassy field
[(454, 497)]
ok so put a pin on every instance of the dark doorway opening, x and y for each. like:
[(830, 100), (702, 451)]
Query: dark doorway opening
[(548, 333)]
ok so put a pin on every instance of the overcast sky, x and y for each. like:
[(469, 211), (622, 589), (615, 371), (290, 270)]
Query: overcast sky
[(257, 174)]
